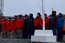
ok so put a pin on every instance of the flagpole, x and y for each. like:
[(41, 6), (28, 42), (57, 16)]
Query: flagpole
[(43, 11)]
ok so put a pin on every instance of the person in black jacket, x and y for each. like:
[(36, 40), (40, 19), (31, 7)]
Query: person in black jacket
[(25, 33), (53, 23), (30, 26)]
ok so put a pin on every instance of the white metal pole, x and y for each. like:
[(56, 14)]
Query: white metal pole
[(43, 11)]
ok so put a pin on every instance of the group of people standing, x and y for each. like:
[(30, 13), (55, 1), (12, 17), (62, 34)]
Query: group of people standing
[(24, 26), (56, 24), (20, 26)]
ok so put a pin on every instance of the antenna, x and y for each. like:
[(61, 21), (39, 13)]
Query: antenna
[(52, 9)]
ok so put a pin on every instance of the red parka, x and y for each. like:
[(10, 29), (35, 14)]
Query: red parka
[(3, 25), (22, 22), (46, 23), (8, 28), (38, 22), (12, 25), (18, 23)]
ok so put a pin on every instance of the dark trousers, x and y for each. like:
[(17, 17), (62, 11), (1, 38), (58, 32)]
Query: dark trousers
[(19, 33), (13, 34), (63, 32), (54, 29), (60, 34), (25, 34), (4, 34), (8, 34)]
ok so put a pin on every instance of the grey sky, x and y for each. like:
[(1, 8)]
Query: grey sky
[(15, 7), (58, 5)]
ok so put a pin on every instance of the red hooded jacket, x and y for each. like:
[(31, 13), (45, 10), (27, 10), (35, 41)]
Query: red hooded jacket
[(18, 23), (8, 26), (38, 22), (3, 25), (12, 25), (46, 22), (22, 22)]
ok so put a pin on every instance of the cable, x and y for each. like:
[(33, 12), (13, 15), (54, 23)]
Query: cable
[(39, 4)]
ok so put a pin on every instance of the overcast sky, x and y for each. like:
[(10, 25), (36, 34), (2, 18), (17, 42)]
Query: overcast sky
[(15, 7)]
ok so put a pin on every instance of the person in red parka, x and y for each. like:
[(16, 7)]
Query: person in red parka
[(46, 21), (18, 25), (3, 24), (3, 28), (12, 28), (14, 24), (22, 26), (9, 24), (38, 22), (8, 27), (18, 22)]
